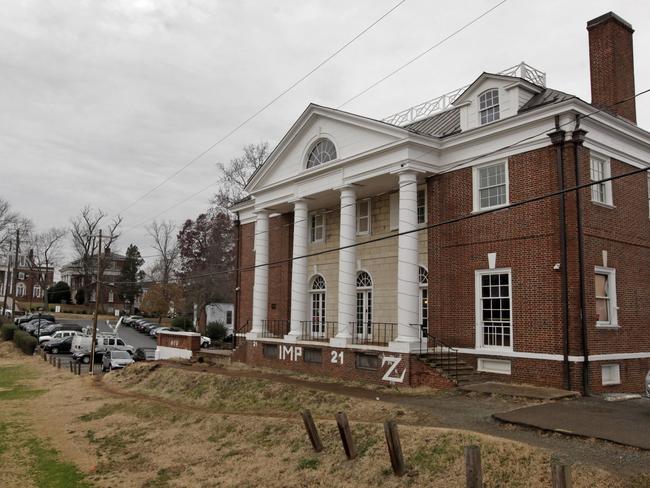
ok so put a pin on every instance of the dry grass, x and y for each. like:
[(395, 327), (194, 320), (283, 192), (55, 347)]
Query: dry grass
[(167, 428)]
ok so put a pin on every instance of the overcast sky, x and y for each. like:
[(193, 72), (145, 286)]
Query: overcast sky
[(101, 100)]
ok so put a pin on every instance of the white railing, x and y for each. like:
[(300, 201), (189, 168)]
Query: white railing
[(443, 102)]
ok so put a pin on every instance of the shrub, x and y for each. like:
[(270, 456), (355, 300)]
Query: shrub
[(7, 332), (216, 331), (181, 322), (25, 342)]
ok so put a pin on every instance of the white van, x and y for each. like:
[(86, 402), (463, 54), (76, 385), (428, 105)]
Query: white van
[(103, 342), (59, 334)]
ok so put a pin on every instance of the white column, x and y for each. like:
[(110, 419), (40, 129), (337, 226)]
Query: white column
[(261, 280), (299, 299), (347, 267), (407, 266)]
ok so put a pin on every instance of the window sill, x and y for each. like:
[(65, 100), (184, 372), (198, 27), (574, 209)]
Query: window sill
[(496, 207), (608, 326), (611, 383), (604, 205)]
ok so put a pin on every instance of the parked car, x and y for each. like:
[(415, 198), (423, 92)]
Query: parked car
[(57, 346), (83, 356), (168, 329), (144, 354), (32, 326), (51, 329), (139, 324), (33, 316), (153, 331), (81, 345), (59, 334), (115, 360), (205, 342), (131, 319)]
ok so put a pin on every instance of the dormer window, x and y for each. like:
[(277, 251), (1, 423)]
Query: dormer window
[(322, 152), (489, 105)]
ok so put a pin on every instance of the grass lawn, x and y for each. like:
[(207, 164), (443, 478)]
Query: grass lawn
[(164, 427)]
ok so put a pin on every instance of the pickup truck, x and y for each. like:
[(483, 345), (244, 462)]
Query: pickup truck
[(81, 346)]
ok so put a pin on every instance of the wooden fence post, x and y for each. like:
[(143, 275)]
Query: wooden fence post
[(58, 363), (560, 474), (70, 365), (473, 473), (312, 431), (394, 447), (346, 435)]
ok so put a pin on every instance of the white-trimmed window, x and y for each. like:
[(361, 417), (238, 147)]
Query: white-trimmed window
[(111, 297), (489, 105), (20, 290), (494, 309), (491, 186), (317, 292), (600, 168), (363, 217), (423, 279), (21, 275), (611, 374), (36, 292), (605, 288), (422, 206), (317, 227)]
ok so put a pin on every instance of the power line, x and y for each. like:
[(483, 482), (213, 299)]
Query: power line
[(412, 60), (429, 226), (451, 168), (264, 107), (423, 53)]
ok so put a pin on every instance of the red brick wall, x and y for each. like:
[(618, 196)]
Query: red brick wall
[(179, 341), (343, 367), (280, 248), (525, 239), (244, 304)]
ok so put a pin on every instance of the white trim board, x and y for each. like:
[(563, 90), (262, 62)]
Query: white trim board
[(554, 357)]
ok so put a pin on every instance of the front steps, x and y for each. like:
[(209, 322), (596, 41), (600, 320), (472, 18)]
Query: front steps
[(454, 369)]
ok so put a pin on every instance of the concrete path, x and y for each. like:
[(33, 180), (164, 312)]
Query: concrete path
[(625, 422), (523, 391)]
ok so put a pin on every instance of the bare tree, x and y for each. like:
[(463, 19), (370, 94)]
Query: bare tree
[(44, 254), (85, 240), (10, 221), (234, 177), (163, 235)]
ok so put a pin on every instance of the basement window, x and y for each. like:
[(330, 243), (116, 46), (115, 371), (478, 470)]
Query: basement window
[(313, 355), (611, 374), (367, 361), (270, 351)]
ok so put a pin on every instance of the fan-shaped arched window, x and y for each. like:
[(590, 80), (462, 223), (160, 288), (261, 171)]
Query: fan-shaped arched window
[(322, 152), (317, 292), (20, 290), (423, 278), (364, 280)]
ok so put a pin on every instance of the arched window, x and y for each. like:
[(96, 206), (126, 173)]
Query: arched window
[(20, 289), (423, 278), (364, 305), (317, 292), (322, 152), (489, 105)]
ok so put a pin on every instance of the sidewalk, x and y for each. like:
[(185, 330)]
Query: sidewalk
[(625, 422)]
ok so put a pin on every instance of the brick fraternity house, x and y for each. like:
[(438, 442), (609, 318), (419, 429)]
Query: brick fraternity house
[(73, 274), (406, 251), (28, 280)]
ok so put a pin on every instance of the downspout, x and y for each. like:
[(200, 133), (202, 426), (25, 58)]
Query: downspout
[(578, 138), (558, 138), (237, 282)]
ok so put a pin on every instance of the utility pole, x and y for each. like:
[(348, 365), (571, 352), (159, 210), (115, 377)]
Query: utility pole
[(97, 295), (14, 276), (6, 281)]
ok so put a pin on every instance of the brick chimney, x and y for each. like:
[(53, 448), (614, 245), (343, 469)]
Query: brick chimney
[(611, 62)]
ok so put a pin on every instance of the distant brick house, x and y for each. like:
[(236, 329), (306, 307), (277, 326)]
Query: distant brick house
[(553, 292), (31, 280), (72, 273)]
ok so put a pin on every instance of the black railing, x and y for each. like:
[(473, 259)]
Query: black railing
[(445, 356), (275, 328), (316, 330), (372, 333)]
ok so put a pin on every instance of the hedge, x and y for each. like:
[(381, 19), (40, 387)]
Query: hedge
[(25, 342), (7, 332)]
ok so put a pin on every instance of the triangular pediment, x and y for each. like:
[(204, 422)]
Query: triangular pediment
[(352, 136)]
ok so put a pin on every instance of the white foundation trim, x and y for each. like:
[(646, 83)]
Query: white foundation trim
[(554, 357)]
